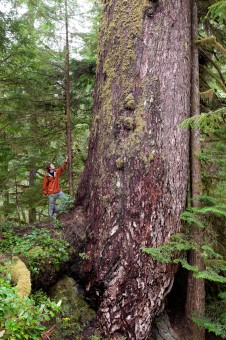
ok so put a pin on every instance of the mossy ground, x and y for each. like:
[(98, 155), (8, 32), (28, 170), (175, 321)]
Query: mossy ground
[(76, 313)]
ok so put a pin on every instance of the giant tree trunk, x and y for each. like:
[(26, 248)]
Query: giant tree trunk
[(134, 184)]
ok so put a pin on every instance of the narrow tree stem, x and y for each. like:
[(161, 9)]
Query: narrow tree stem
[(196, 287), (67, 108)]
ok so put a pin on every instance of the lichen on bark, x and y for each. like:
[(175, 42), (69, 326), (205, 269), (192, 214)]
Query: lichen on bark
[(134, 184)]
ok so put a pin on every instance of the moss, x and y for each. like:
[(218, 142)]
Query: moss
[(212, 41), (121, 55), (126, 122), (21, 277), (207, 41), (151, 156), (207, 96), (130, 102), (129, 123), (76, 313), (144, 159), (117, 69), (119, 164)]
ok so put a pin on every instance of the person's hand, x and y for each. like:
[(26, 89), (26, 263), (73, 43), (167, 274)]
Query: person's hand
[(66, 159), (46, 195)]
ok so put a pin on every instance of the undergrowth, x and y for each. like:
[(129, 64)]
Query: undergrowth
[(23, 318), (37, 247)]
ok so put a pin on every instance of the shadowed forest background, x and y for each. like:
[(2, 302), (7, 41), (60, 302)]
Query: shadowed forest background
[(139, 251)]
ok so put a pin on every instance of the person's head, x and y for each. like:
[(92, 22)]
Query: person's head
[(50, 167)]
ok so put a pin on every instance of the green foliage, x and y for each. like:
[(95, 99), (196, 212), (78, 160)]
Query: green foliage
[(38, 247), (67, 203), (32, 103), (217, 11), (191, 218), (89, 50), (211, 275), (174, 251), (23, 318), (206, 121), (215, 317), (75, 314), (83, 256), (166, 252)]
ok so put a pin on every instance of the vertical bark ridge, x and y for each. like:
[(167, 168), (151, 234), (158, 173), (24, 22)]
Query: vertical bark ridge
[(134, 183)]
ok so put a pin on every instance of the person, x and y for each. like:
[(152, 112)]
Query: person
[(51, 187)]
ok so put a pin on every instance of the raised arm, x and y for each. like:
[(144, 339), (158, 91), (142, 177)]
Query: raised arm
[(63, 166)]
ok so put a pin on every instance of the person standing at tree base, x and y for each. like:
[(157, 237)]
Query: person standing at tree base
[(51, 187)]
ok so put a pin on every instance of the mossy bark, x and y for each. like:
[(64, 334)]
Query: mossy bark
[(134, 184)]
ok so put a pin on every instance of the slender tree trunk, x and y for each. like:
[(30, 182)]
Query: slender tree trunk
[(68, 111), (134, 184), (196, 287), (32, 211)]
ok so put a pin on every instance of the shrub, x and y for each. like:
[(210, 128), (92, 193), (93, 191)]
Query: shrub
[(22, 318), (38, 248)]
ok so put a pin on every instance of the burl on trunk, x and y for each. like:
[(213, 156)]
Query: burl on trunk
[(134, 184)]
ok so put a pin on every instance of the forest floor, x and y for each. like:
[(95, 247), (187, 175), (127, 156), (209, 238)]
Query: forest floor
[(69, 226)]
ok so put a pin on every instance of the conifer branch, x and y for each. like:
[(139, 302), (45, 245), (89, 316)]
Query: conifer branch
[(212, 75), (212, 41), (215, 65)]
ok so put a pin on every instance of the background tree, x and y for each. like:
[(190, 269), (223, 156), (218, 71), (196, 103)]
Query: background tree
[(196, 286), (67, 102), (32, 96)]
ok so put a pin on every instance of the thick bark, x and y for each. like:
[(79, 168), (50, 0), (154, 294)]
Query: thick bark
[(196, 287), (134, 184)]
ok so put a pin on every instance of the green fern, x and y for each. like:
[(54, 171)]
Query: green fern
[(191, 219), (222, 295), (209, 253), (211, 275), (206, 122), (216, 210), (212, 326), (166, 253), (184, 263), (174, 251), (217, 11)]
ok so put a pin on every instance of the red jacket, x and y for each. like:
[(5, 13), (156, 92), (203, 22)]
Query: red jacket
[(51, 185)]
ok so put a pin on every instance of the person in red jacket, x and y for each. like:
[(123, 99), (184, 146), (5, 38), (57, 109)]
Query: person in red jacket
[(51, 187)]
